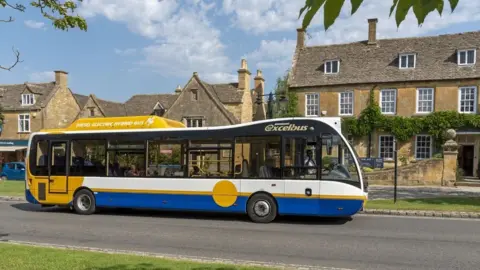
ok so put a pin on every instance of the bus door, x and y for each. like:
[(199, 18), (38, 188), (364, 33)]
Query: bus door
[(300, 161), (58, 167)]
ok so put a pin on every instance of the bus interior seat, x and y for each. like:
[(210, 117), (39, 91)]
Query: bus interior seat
[(265, 172), (245, 172)]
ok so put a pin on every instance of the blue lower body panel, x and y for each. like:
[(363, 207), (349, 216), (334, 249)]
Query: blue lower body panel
[(167, 201), (29, 197), (286, 206), (318, 207)]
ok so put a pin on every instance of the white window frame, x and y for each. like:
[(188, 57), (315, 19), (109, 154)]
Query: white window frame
[(340, 102), (380, 146), (331, 66), (475, 103), (196, 120), (406, 55), (430, 153), (466, 57), (418, 99), (27, 118), (317, 97), (26, 98), (394, 101)]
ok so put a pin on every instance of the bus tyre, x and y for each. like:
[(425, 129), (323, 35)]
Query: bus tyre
[(262, 208), (84, 202)]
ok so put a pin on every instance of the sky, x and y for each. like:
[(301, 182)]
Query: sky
[(152, 46)]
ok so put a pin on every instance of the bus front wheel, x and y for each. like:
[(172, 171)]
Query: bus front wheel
[(84, 202), (262, 208)]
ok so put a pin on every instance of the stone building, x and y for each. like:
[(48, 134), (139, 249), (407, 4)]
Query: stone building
[(197, 104), (412, 77), (29, 107)]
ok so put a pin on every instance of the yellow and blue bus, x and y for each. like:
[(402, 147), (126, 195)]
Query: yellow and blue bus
[(286, 166)]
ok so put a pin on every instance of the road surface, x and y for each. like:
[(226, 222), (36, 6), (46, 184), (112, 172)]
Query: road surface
[(366, 242)]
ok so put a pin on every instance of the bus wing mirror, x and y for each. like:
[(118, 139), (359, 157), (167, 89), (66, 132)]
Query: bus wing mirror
[(329, 150)]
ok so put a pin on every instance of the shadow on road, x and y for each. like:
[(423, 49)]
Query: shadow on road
[(147, 266), (185, 215)]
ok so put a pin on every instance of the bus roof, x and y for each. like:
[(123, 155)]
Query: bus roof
[(139, 123), (119, 123)]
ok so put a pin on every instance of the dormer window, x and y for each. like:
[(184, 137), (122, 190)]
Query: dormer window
[(331, 66), (28, 99), (407, 60), (466, 57)]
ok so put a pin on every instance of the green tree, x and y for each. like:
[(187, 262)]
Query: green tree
[(281, 89), (60, 14), (421, 8)]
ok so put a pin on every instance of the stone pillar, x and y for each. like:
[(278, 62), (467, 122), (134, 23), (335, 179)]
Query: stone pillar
[(450, 153)]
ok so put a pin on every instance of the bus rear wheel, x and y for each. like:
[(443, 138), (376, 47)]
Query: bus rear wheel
[(84, 202), (262, 208)]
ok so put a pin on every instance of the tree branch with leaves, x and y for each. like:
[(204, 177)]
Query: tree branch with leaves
[(60, 14), (332, 8)]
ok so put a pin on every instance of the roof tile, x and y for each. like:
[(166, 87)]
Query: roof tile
[(363, 63)]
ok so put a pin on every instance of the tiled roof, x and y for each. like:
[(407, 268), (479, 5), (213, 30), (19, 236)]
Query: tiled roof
[(363, 63), (144, 104), (227, 93), (11, 95), (110, 108), (81, 99)]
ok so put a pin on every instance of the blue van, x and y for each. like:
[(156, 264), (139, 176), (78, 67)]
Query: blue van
[(13, 171)]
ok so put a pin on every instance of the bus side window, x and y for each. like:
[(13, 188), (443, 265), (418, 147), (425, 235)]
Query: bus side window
[(261, 156), (88, 158), (165, 158), (210, 158), (41, 166)]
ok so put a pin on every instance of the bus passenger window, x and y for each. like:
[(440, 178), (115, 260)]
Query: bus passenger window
[(257, 157), (41, 166), (88, 158), (300, 158), (165, 159), (210, 158), (126, 158)]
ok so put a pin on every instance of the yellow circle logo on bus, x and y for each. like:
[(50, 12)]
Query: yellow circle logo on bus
[(225, 193)]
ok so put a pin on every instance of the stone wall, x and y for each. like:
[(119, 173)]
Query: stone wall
[(420, 173)]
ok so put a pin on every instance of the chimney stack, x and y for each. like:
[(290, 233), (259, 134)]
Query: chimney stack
[(259, 83), (61, 78), (300, 38), (244, 76), (372, 31), (178, 90)]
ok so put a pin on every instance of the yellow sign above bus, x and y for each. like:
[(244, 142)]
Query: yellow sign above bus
[(126, 122)]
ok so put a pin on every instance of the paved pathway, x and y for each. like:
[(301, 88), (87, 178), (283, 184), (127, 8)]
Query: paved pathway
[(386, 192)]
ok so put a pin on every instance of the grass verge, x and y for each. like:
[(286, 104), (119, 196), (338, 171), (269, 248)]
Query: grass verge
[(12, 188), (454, 204), (19, 257)]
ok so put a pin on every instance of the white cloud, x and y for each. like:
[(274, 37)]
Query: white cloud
[(42, 76), (34, 24), (273, 54), (277, 55), (185, 39), (261, 16), (353, 28)]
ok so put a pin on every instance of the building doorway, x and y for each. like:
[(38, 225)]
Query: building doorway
[(466, 158)]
